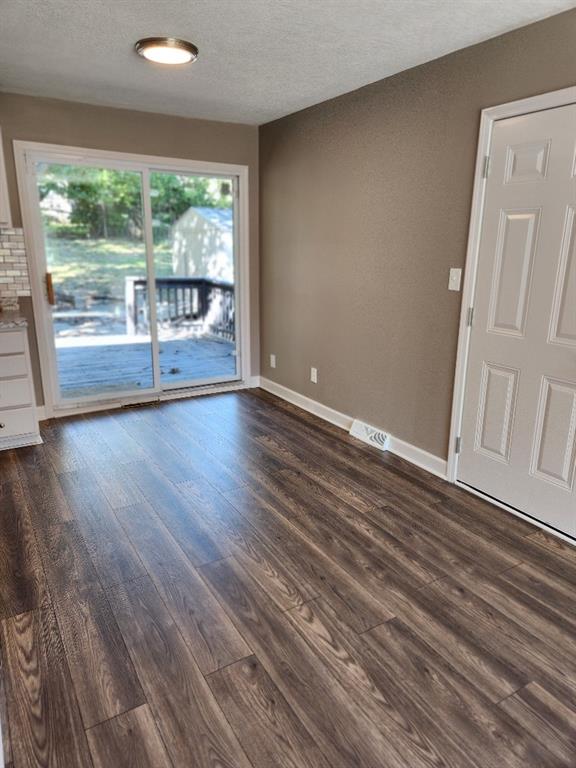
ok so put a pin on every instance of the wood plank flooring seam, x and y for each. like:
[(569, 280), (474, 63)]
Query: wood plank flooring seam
[(52, 600), (114, 717), (378, 507), (222, 607), (4, 661), (135, 550), (165, 578), (331, 582), (208, 675), (175, 630), (429, 583), (512, 693), (447, 576), (498, 574), (127, 657), (137, 744), (219, 598), (148, 577), (380, 624), (161, 521), (224, 714)]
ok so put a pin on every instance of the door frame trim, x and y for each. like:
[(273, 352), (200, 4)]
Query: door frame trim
[(488, 117), (143, 163)]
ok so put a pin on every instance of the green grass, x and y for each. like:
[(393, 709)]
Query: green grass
[(100, 266)]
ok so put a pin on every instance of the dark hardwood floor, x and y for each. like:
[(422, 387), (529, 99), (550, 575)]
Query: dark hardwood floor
[(228, 581)]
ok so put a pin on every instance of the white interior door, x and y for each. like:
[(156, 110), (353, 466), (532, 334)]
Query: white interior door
[(519, 421)]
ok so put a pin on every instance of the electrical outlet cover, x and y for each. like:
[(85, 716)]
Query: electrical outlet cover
[(455, 279)]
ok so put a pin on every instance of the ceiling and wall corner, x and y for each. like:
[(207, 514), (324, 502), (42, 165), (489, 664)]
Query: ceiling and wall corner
[(365, 204), (259, 59)]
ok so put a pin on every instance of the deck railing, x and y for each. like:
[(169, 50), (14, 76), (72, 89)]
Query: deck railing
[(200, 301)]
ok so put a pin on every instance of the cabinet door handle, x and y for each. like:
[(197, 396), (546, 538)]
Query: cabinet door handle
[(50, 289), (2, 425)]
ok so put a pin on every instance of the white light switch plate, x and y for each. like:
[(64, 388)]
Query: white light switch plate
[(272, 361), (314, 375), (455, 279)]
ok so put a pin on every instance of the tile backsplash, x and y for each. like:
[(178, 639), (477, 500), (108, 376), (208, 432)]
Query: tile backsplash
[(14, 279)]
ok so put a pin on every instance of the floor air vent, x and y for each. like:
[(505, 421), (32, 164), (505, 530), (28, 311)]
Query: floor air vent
[(369, 434)]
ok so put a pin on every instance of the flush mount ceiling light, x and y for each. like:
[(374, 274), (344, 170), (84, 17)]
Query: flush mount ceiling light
[(167, 50)]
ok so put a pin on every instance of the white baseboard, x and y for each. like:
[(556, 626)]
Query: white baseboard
[(419, 457), (307, 404), (404, 450)]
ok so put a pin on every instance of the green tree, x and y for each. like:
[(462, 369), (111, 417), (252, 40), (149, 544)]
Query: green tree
[(108, 203)]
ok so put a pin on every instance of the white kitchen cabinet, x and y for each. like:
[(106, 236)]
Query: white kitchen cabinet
[(18, 418)]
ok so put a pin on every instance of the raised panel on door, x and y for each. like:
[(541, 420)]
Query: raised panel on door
[(555, 444), (496, 411), (527, 162), (515, 248), (564, 311)]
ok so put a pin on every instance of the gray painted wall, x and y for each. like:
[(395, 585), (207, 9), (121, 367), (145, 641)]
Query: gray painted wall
[(365, 203)]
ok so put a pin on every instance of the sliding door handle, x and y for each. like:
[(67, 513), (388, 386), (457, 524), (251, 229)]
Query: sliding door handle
[(50, 289)]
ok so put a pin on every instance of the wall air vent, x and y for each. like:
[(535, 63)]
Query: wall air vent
[(370, 435)]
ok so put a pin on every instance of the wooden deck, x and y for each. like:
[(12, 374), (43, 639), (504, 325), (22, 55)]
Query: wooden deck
[(228, 581), (99, 368)]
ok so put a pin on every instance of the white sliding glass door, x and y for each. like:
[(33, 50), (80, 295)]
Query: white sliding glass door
[(136, 270), (92, 230), (194, 264)]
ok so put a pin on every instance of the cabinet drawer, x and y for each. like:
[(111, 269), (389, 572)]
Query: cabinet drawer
[(13, 365), (11, 342), (15, 392), (20, 421)]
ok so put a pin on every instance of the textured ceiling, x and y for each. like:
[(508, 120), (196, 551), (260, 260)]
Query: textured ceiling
[(259, 59)]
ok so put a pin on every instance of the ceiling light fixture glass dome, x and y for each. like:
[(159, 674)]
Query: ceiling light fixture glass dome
[(167, 50)]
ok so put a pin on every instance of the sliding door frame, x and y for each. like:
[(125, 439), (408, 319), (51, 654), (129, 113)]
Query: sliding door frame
[(26, 154)]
